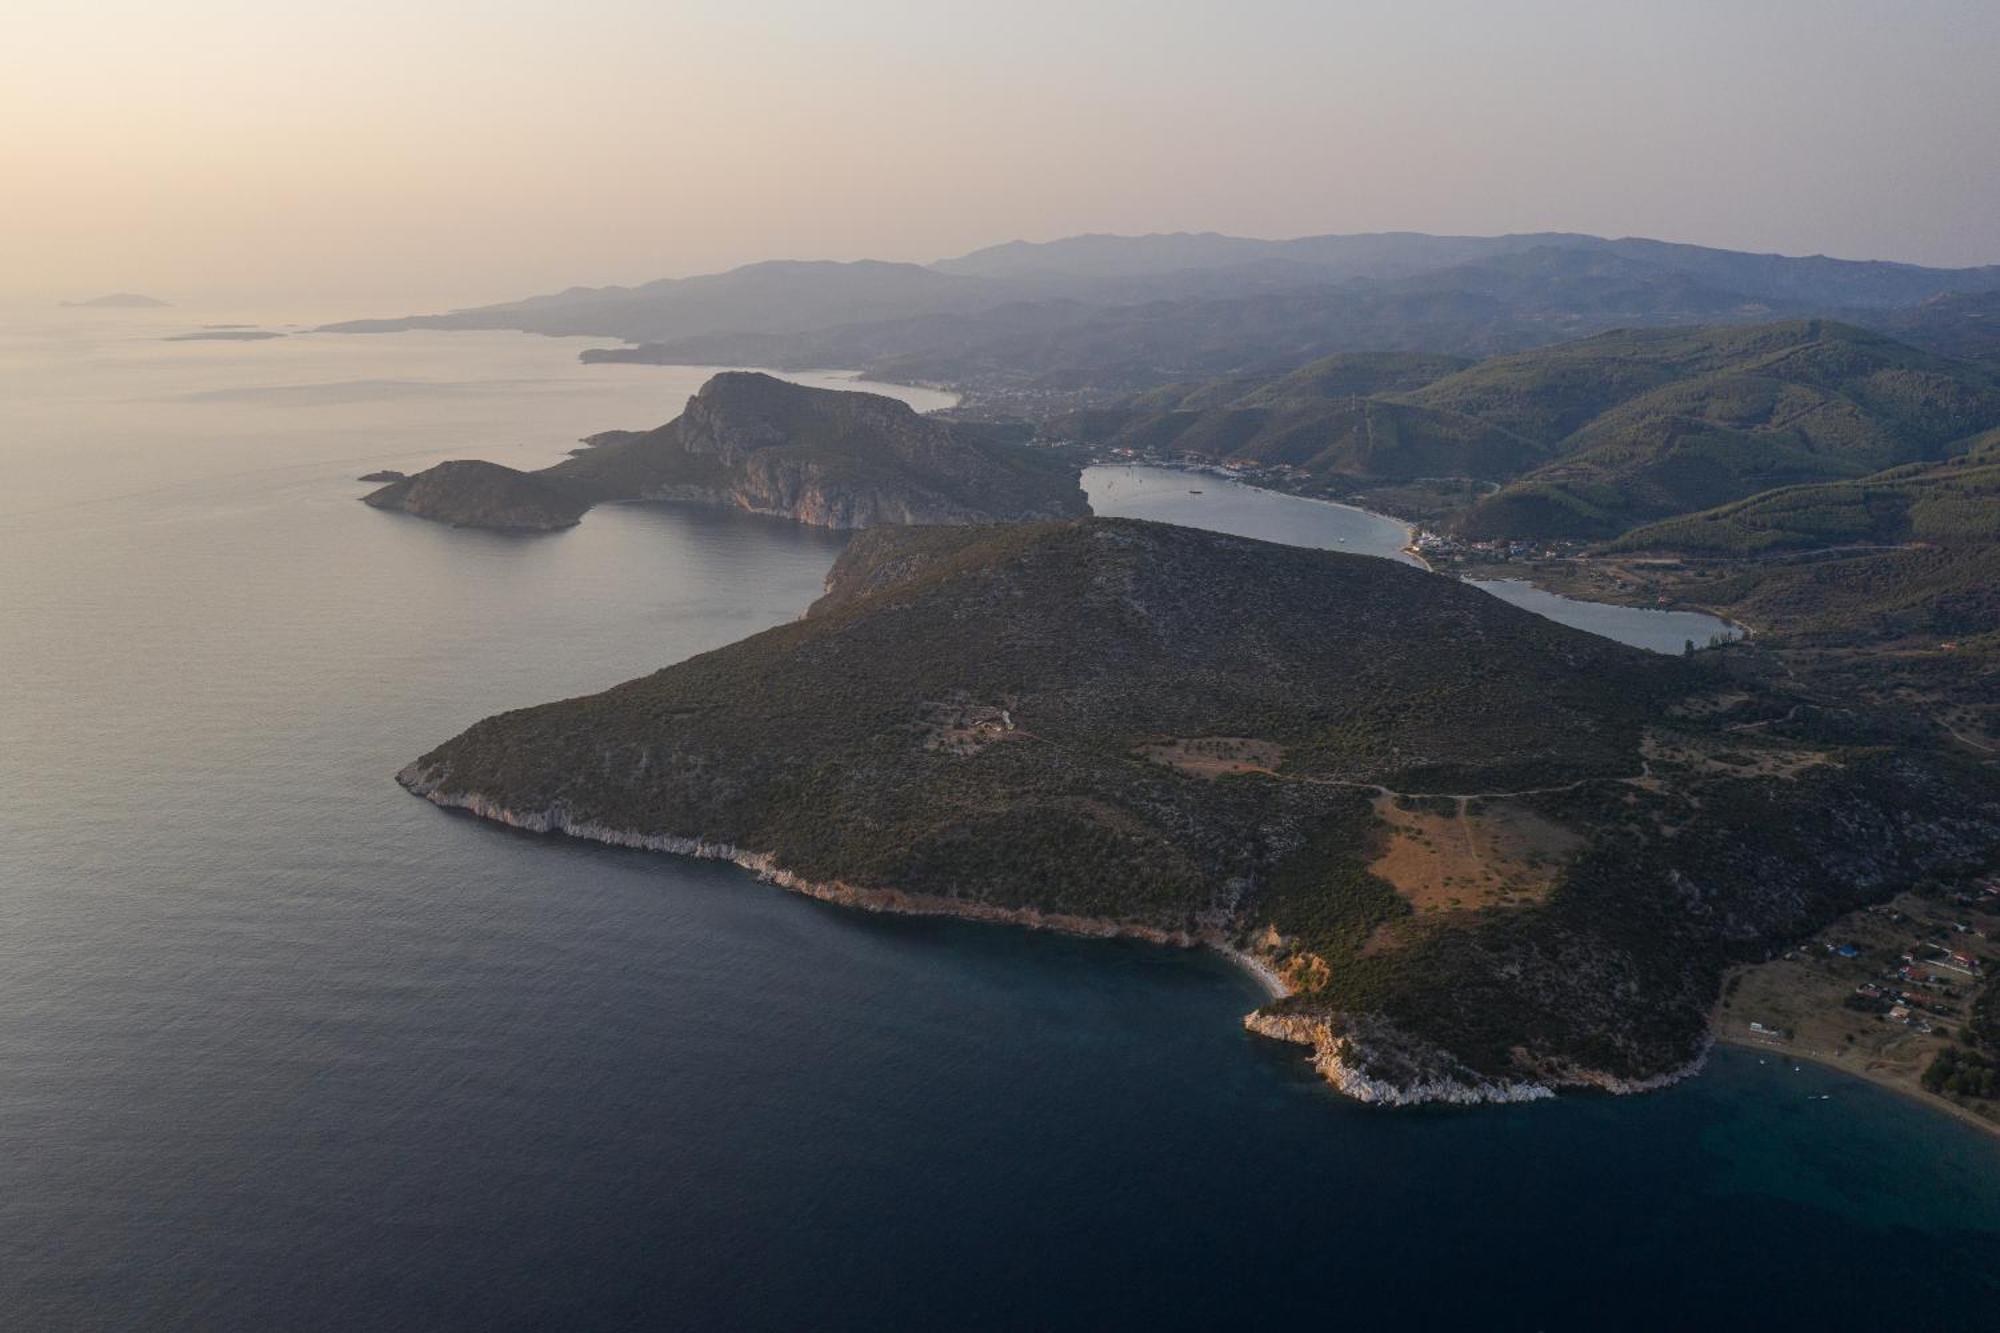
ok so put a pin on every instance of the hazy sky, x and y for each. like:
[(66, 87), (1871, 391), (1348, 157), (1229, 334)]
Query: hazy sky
[(420, 152)]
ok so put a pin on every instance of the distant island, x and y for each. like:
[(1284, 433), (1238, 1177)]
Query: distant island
[(826, 457), (220, 335), (1475, 855), (118, 301)]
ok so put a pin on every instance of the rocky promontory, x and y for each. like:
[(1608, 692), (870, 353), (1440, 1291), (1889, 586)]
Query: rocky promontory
[(826, 457), (1483, 855)]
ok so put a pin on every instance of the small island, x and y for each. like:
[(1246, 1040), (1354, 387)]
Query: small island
[(826, 457), (1474, 855), (118, 301), (223, 336)]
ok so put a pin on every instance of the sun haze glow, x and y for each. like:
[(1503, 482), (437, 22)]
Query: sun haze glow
[(468, 150)]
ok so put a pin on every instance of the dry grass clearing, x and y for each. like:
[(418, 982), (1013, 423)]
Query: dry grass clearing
[(1214, 756), (1451, 855)]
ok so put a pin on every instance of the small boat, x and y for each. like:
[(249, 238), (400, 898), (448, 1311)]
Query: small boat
[(1194, 492)]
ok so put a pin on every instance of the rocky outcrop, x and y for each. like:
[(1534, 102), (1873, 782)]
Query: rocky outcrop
[(829, 458), (468, 493), (1371, 1062)]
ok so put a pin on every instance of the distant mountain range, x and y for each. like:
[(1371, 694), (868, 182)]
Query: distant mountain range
[(1101, 315)]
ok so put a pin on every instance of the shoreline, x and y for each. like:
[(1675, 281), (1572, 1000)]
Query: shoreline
[(1312, 1032), (1917, 1095), (1741, 631), (889, 902), (1290, 1029)]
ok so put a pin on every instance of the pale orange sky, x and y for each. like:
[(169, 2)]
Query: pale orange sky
[(433, 152)]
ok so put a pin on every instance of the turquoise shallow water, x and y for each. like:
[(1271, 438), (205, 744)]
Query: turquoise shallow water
[(281, 1047)]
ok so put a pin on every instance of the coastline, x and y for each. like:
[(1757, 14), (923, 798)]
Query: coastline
[(1740, 630), (893, 902), (1454, 1086), (1828, 1060)]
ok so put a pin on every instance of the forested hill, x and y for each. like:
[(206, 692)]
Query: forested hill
[(1127, 726), (1952, 502), (1648, 424)]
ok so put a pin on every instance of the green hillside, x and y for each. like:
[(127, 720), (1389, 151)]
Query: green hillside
[(1185, 735), (1332, 419), (1589, 438), (1952, 502), (1647, 425)]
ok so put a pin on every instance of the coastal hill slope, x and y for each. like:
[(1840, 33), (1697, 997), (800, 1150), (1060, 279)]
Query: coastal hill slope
[(827, 457), (1131, 728), (1336, 418), (1888, 584), (1955, 501), (1590, 437), (1649, 424)]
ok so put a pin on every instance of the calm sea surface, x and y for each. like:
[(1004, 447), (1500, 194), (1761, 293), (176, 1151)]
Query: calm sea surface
[(283, 1048)]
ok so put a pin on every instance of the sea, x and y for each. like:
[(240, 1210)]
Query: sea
[(282, 1048)]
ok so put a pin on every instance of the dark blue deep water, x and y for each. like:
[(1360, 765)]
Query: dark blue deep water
[(283, 1048)]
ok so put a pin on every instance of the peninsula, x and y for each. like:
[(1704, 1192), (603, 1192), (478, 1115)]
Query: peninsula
[(1479, 856), (826, 457)]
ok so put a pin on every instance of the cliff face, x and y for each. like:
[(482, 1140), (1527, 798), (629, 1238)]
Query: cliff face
[(829, 458), (825, 457), (468, 493)]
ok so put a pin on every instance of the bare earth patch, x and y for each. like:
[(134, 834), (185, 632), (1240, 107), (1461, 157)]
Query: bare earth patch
[(1213, 756), (1454, 855)]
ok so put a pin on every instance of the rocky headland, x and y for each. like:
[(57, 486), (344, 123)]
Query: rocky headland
[(1474, 855), (825, 457)]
